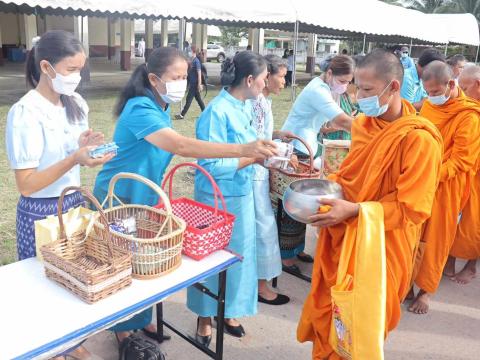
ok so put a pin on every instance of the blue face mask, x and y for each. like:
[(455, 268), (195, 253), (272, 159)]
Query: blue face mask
[(439, 99), (370, 106)]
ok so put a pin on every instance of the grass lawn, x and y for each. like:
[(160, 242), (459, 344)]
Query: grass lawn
[(101, 119)]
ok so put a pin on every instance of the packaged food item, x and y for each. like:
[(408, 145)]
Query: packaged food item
[(102, 150), (126, 226), (282, 160)]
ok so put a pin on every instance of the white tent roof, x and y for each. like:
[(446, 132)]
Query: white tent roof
[(375, 18), (329, 18), (460, 28)]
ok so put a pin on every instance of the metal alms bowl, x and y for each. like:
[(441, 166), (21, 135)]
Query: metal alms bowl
[(300, 200)]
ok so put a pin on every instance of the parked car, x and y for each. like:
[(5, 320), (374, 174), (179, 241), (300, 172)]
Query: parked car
[(215, 52)]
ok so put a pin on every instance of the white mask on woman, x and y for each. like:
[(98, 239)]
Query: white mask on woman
[(65, 84), (175, 90)]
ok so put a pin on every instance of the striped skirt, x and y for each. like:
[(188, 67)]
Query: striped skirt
[(30, 210)]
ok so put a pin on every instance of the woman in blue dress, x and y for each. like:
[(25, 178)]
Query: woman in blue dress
[(227, 119), (147, 143)]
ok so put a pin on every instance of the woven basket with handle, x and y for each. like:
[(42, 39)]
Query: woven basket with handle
[(280, 179), (208, 228), (87, 263), (156, 247)]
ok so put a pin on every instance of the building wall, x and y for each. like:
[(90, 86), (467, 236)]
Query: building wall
[(10, 33), (54, 22), (98, 36)]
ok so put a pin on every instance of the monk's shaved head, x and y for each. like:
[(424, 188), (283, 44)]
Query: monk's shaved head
[(471, 72), (438, 71), (384, 64), (469, 81)]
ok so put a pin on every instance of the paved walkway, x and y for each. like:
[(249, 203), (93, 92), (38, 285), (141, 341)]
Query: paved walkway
[(451, 331)]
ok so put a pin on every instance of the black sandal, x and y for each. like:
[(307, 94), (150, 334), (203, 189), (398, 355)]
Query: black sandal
[(153, 335), (305, 258)]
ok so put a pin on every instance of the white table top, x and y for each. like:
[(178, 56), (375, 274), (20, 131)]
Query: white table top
[(40, 319)]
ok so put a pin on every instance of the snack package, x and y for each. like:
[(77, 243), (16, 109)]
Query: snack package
[(126, 226), (102, 150), (282, 160)]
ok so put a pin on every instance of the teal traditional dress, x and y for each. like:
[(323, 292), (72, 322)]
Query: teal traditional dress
[(228, 120), (140, 117)]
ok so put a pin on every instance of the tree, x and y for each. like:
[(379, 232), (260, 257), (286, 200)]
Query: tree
[(463, 6), (427, 6), (231, 36)]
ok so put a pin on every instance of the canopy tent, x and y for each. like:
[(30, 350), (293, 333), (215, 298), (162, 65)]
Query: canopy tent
[(461, 29), (336, 19)]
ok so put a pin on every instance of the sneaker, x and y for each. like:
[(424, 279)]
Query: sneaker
[(179, 117)]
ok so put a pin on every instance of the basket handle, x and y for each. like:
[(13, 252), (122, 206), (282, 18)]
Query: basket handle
[(216, 191), (86, 193), (309, 149), (148, 182)]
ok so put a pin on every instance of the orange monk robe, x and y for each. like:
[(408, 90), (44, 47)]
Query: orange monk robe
[(467, 241), (458, 121), (398, 165)]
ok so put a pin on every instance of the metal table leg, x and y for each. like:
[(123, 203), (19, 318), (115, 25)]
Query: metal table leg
[(220, 298)]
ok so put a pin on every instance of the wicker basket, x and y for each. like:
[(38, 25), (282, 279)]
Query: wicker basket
[(87, 263), (280, 179), (157, 246), (208, 229)]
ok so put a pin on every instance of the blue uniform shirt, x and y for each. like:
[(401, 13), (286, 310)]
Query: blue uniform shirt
[(140, 117), (226, 120), (412, 87)]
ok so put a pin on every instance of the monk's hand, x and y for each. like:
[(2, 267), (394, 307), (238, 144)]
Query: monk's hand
[(333, 211)]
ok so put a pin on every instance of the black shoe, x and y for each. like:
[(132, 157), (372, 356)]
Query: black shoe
[(236, 331), (292, 269), (204, 340), (279, 300), (305, 258), (153, 335), (179, 117)]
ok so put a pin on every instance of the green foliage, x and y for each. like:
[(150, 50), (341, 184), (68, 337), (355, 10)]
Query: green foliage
[(231, 36)]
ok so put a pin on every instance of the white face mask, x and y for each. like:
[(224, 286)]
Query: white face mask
[(65, 84), (175, 90), (439, 99)]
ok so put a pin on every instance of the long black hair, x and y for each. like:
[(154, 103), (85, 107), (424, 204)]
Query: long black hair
[(54, 46), (138, 84), (243, 64)]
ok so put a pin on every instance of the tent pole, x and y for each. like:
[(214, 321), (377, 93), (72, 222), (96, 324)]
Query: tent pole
[(446, 49), (294, 71), (364, 41), (411, 45), (476, 57)]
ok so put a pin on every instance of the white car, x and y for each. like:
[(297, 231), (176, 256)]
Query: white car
[(216, 52)]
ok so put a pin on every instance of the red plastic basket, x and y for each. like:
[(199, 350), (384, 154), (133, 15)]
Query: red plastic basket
[(208, 229)]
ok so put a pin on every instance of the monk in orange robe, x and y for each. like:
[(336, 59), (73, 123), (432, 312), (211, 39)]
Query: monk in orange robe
[(467, 242), (395, 159), (457, 117)]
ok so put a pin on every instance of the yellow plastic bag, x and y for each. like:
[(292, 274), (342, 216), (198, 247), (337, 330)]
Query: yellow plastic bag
[(48, 229), (359, 296)]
